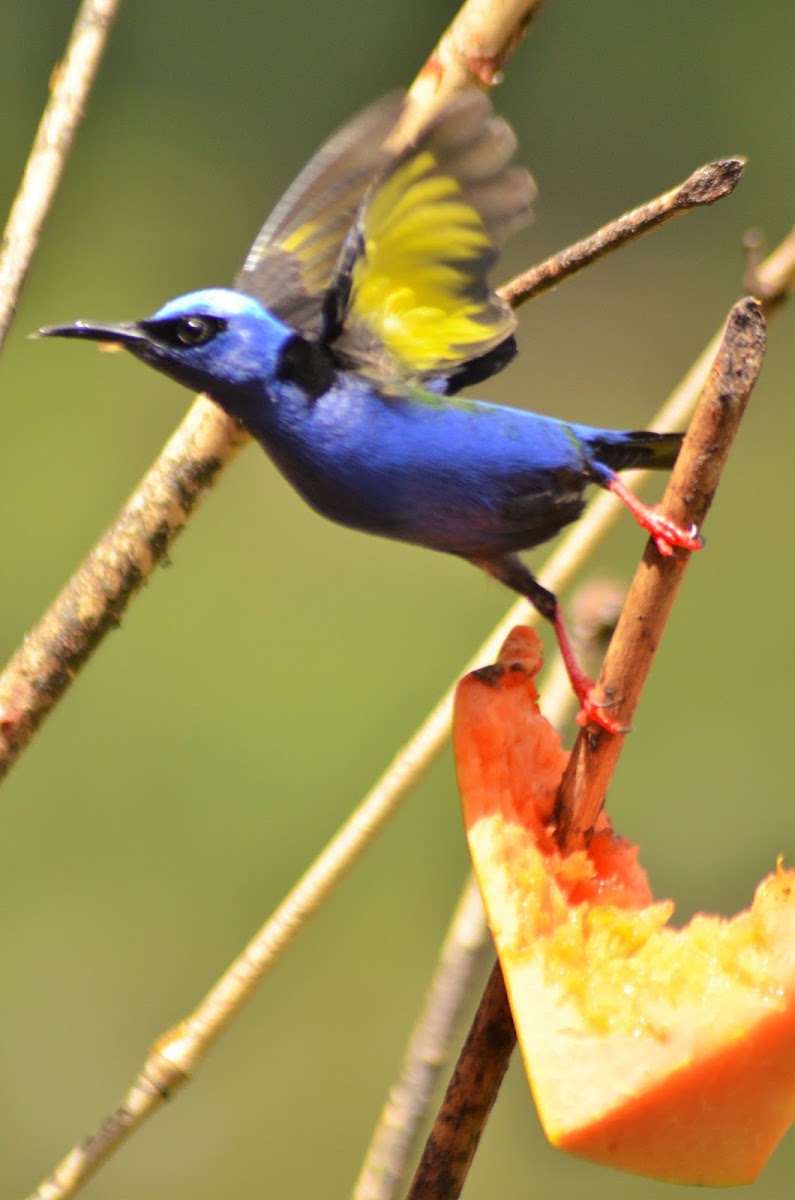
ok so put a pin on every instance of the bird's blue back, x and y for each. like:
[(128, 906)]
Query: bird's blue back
[(458, 475), (361, 307)]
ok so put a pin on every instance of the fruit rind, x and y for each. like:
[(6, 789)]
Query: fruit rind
[(669, 1053)]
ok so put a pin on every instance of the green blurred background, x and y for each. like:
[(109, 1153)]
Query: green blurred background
[(261, 683)]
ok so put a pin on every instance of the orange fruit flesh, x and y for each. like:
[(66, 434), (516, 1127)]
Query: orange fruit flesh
[(669, 1053)]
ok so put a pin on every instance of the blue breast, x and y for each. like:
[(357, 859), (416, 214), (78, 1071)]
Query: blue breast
[(464, 477)]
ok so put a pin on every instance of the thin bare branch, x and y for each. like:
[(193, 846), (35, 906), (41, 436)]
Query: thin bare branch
[(706, 185), (427, 1052), (469, 1098), (93, 601), (484, 1058), (473, 49), (771, 281), (687, 498), (70, 86)]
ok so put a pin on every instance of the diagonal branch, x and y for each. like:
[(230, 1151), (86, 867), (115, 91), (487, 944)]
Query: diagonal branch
[(486, 1053), (69, 90), (427, 1051), (94, 599), (469, 1098), (706, 185), (472, 50), (687, 498)]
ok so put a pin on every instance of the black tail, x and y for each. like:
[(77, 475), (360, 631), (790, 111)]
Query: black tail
[(656, 451)]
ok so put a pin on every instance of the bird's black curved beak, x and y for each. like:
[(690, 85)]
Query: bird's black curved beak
[(124, 334)]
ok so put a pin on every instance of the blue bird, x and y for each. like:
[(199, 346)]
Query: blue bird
[(360, 312)]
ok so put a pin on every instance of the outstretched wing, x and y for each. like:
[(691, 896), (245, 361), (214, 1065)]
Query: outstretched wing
[(410, 297), (290, 265)]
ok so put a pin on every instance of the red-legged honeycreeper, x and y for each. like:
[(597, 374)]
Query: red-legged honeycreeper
[(362, 308)]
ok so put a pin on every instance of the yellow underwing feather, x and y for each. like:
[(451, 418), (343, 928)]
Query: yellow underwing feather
[(417, 259)]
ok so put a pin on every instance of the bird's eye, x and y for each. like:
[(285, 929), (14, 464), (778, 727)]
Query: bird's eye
[(196, 331), (176, 333)]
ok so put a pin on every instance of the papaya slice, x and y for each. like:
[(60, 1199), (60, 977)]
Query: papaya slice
[(659, 1051)]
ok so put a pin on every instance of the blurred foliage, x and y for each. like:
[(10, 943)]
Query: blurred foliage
[(260, 684)]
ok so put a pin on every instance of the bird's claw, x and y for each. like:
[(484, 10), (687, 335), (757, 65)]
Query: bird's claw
[(669, 536), (592, 711)]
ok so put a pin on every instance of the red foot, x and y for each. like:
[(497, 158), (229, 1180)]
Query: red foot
[(590, 711), (581, 685), (666, 533)]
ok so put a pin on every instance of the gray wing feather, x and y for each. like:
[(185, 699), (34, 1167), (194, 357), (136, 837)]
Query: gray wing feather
[(291, 262)]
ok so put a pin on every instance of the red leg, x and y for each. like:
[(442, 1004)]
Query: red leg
[(581, 685), (511, 571), (666, 533)]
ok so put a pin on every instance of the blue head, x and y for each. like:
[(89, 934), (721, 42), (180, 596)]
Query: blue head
[(218, 341)]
